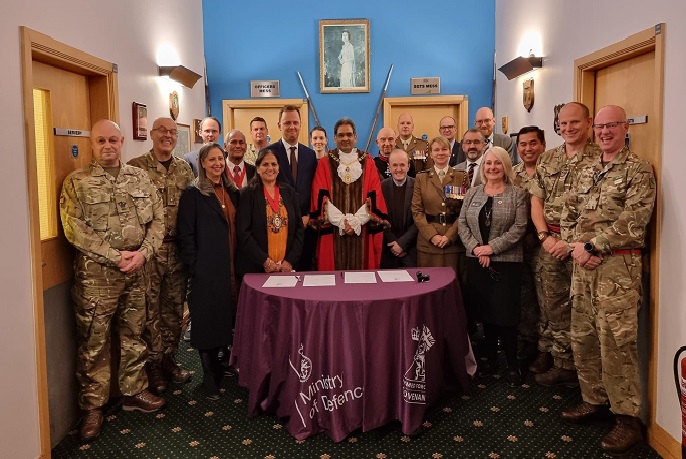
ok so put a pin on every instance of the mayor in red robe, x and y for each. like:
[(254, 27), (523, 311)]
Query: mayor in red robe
[(348, 207)]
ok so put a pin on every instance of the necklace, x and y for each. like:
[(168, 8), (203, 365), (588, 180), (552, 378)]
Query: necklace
[(221, 200), (488, 211)]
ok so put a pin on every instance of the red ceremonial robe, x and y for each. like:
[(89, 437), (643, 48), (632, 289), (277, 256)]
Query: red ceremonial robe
[(333, 250)]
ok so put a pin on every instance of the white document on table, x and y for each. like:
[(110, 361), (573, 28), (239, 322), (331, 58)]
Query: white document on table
[(360, 277), (396, 275), (319, 280), (281, 281)]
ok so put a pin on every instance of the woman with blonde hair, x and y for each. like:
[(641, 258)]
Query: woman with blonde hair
[(491, 225)]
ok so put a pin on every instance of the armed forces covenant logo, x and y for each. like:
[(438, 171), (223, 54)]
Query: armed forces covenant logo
[(305, 366), (414, 381)]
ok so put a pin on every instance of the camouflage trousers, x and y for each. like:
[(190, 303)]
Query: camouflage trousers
[(528, 328), (103, 295), (168, 283), (554, 278), (605, 332)]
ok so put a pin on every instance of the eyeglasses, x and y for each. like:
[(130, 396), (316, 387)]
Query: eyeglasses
[(452, 126), (472, 142), (486, 121), (610, 125), (165, 131)]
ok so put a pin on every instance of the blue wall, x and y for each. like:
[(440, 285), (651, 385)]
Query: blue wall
[(268, 40)]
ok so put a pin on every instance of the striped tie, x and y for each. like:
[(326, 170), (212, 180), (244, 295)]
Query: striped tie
[(470, 172)]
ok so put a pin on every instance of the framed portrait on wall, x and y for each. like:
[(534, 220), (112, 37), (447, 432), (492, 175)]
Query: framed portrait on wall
[(344, 55), (196, 131), (183, 141), (140, 121)]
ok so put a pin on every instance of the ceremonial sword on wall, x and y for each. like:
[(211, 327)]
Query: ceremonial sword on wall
[(378, 108), (309, 101)]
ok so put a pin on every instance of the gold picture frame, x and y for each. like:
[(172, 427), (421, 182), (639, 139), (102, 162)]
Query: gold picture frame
[(344, 55)]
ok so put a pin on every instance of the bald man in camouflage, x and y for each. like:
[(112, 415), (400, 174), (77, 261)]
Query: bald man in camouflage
[(111, 213)]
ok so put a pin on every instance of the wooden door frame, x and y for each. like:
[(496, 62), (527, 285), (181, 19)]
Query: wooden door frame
[(459, 100), (104, 103), (585, 68), (228, 106)]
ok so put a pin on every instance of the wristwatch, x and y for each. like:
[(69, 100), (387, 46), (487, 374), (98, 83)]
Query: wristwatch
[(542, 235), (590, 248)]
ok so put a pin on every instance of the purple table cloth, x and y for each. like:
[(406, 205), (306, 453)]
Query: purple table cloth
[(334, 359)]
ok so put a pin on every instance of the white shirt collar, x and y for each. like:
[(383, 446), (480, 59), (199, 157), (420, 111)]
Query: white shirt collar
[(288, 146)]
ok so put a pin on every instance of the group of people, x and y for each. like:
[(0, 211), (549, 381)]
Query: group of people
[(547, 251)]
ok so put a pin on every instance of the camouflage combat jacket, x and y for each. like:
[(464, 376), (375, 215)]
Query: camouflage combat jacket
[(521, 178), (611, 205), (555, 176), (169, 183), (102, 215), (250, 155)]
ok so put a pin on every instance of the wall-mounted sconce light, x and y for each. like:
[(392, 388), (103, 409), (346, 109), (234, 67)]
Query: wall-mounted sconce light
[(180, 74), (521, 65)]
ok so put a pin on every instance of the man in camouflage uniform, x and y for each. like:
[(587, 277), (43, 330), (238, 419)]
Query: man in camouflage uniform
[(555, 175), (530, 146), (604, 220), (168, 278), (259, 135), (111, 213), (417, 149)]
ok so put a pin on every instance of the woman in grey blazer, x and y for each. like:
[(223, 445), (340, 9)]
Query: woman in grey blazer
[(491, 225)]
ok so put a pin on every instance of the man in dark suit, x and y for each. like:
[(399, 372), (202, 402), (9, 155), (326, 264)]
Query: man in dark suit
[(237, 169), (297, 164), (448, 128), (473, 141), (210, 131), (400, 240)]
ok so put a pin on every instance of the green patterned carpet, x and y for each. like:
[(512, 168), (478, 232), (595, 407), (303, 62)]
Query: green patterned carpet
[(493, 421)]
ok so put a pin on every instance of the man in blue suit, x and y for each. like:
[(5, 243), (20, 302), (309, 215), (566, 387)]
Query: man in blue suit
[(297, 164)]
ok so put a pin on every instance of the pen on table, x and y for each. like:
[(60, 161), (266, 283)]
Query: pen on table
[(297, 278)]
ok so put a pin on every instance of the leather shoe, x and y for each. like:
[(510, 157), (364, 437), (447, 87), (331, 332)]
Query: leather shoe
[(175, 372), (514, 378), (557, 376), (542, 363), (585, 411), (626, 433), (156, 380), (144, 401), (91, 424)]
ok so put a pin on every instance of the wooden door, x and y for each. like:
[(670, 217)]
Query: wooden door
[(426, 113), (238, 113), (66, 106), (67, 88), (624, 84)]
